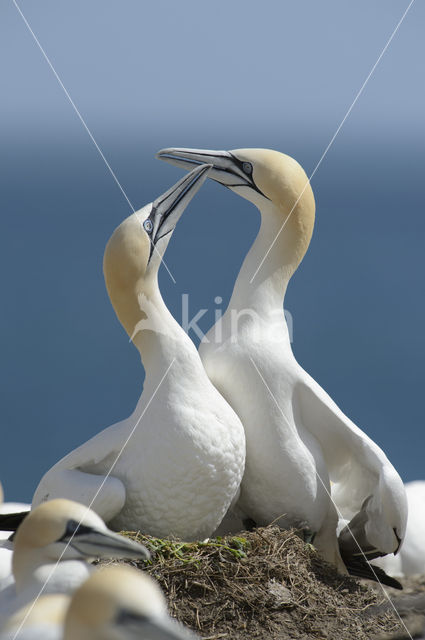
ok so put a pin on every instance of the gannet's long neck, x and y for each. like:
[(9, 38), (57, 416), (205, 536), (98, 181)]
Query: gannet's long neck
[(161, 339), (282, 243), (155, 333), (25, 564)]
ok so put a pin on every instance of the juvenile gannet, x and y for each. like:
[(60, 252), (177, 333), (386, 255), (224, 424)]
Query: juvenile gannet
[(297, 437), (174, 466), (52, 548), (120, 603)]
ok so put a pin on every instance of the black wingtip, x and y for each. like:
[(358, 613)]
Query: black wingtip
[(361, 569), (11, 521)]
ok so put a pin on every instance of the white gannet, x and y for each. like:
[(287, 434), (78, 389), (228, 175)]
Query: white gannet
[(411, 558), (121, 603), (175, 465), (52, 547), (295, 432)]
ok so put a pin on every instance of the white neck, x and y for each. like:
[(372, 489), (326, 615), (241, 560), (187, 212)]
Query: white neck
[(33, 571), (268, 266), (160, 339)]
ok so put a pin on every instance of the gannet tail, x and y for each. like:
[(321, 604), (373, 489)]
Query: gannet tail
[(356, 551), (11, 521), (360, 568)]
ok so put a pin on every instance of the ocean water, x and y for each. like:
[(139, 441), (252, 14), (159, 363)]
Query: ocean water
[(357, 303)]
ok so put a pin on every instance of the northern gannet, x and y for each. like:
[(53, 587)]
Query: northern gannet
[(297, 437), (52, 548), (175, 465), (115, 602), (121, 603)]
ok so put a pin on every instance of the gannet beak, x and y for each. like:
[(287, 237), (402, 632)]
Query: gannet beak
[(94, 543), (136, 626), (167, 209), (227, 169)]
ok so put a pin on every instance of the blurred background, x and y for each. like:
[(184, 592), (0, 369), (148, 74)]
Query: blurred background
[(144, 76)]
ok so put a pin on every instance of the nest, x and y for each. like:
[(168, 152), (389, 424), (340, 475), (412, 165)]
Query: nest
[(264, 584)]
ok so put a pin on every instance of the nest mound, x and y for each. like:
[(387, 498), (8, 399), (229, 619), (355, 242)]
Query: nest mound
[(264, 584)]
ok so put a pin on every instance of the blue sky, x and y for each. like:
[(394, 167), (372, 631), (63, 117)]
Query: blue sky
[(147, 75)]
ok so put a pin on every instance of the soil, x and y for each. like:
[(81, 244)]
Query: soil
[(268, 584)]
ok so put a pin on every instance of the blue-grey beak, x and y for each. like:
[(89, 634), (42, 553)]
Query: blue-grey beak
[(227, 169), (167, 209)]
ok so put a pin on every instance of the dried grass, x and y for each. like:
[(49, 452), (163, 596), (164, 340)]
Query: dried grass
[(264, 584)]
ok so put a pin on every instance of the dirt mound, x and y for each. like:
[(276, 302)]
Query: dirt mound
[(264, 584)]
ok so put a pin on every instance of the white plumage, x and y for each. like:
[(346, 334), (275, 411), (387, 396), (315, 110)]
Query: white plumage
[(176, 463), (298, 440), (411, 558), (52, 550), (114, 603)]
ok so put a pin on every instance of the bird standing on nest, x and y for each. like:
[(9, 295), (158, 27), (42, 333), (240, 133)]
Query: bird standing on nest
[(297, 438)]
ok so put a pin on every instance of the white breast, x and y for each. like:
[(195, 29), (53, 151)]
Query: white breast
[(254, 374), (184, 462)]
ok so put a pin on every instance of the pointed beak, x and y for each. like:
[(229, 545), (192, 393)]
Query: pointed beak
[(227, 169), (93, 543), (167, 209)]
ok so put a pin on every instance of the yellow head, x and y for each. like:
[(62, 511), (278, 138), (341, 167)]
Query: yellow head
[(134, 252), (66, 530), (273, 181), (119, 602)]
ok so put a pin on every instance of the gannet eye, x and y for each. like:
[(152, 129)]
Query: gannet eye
[(148, 226), (247, 167)]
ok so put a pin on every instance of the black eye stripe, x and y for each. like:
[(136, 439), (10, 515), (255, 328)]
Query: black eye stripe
[(164, 234), (239, 164), (74, 528), (126, 617)]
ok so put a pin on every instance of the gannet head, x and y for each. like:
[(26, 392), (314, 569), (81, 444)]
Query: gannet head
[(133, 254), (255, 174), (120, 603), (66, 530), (273, 181)]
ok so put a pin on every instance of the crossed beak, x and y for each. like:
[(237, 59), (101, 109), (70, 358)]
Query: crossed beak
[(226, 169)]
